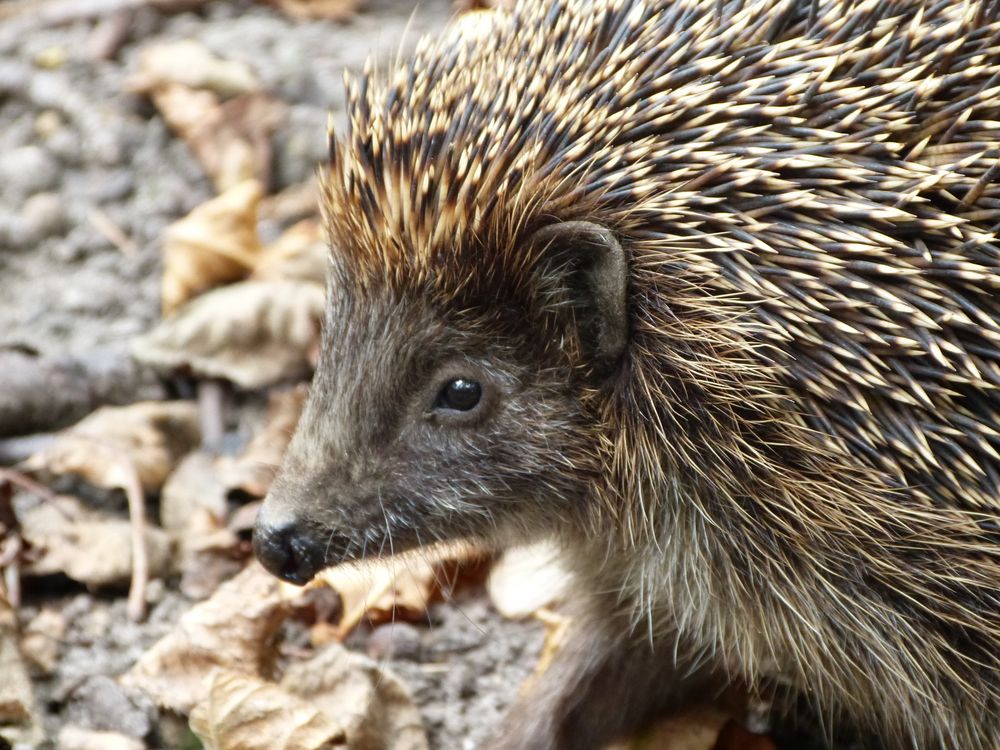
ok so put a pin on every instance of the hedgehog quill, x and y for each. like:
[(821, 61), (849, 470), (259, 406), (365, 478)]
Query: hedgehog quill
[(709, 292)]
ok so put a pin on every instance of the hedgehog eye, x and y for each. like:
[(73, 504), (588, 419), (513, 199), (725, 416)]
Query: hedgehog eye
[(460, 394)]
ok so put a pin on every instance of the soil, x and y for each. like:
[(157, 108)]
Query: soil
[(79, 154)]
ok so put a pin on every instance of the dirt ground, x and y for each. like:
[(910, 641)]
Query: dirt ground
[(90, 176)]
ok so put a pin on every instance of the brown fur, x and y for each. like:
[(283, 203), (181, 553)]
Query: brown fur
[(791, 478)]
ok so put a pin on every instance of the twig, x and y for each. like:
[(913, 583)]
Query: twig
[(137, 520), (28, 484), (210, 407), (110, 231)]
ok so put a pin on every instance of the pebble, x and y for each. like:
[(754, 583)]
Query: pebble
[(27, 170), (44, 215), (100, 703), (397, 640)]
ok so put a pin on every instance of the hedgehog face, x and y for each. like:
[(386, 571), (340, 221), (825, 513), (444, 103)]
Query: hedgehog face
[(431, 421)]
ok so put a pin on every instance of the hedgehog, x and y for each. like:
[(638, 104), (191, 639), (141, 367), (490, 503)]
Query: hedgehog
[(708, 293)]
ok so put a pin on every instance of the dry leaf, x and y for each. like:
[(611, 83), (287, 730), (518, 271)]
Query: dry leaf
[(253, 333), (331, 10), (18, 714), (190, 64), (42, 638), (295, 202), (250, 474), (89, 547), (240, 712), (193, 501), (232, 629), (695, 729), (78, 738), (104, 446), (193, 511), (526, 579), (300, 254), (393, 588), (371, 704), (231, 139), (214, 244)]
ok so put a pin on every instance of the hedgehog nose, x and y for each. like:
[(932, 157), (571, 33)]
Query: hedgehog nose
[(286, 551)]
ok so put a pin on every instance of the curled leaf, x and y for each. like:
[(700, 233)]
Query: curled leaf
[(393, 588), (241, 712), (214, 244), (299, 254), (233, 629), (231, 139), (370, 703), (104, 447), (253, 333)]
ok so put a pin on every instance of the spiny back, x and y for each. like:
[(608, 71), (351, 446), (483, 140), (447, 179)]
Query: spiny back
[(833, 163)]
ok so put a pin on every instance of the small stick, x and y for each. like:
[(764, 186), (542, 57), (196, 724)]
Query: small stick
[(140, 558)]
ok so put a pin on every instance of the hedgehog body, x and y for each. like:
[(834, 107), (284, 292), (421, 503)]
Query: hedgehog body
[(787, 475)]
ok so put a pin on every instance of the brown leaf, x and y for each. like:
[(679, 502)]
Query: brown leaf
[(253, 333), (526, 579), (231, 139), (89, 547), (300, 254), (250, 474), (393, 588), (215, 244), (193, 511), (190, 64), (695, 729), (371, 704), (42, 638), (240, 712), (331, 10), (104, 446), (232, 629)]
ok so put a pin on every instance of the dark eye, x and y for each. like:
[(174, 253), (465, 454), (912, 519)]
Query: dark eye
[(459, 395)]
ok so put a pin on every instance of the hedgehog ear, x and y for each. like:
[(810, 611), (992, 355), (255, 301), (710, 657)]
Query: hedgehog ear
[(588, 266)]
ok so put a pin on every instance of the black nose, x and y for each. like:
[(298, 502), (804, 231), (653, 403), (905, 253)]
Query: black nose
[(287, 551)]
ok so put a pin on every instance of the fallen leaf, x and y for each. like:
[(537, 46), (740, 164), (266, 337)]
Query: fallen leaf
[(18, 712), (103, 447), (295, 202), (190, 64), (695, 729), (42, 639), (392, 588), (254, 333), (89, 547), (526, 579), (78, 738), (241, 712), (330, 10), (231, 139), (193, 510), (250, 474), (370, 703), (193, 500), (232, 629), (215, 244), (300, 254)]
